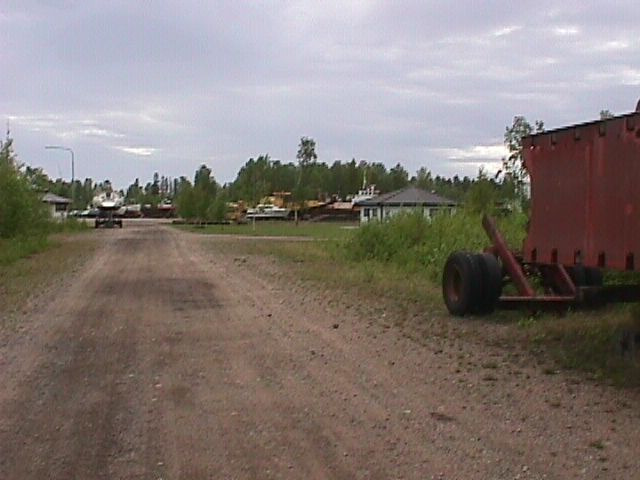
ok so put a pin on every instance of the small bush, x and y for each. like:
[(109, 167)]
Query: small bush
[(414, 242), (22, 213), (24, 221)]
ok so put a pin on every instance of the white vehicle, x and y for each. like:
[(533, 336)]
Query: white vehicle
[(108, 203), (265, 211)]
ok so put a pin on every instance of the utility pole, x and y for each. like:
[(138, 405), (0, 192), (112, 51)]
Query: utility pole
[(73, 176)]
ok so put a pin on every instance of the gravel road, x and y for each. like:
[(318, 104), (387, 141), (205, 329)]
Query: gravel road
[(166, 358)]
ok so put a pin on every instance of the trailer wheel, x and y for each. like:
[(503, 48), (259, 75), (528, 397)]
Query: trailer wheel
[(490, 283), (578, 274), (594, 277), (461, 283)]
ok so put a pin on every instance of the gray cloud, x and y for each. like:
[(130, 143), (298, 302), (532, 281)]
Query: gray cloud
[(136, 87)]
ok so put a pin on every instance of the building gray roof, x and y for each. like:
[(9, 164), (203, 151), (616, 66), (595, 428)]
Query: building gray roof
[(409, 197), (53, 198)]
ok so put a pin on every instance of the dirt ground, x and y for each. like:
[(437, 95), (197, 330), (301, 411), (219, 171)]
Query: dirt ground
[(166, 358)]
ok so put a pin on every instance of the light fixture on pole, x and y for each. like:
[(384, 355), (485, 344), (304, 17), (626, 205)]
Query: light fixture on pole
[(58, 147)]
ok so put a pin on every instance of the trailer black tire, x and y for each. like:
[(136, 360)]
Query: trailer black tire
[(594, 277), (461, 283), (578, 274), (490, 283)]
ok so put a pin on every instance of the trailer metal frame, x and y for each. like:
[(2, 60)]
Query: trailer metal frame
[(585, 217)]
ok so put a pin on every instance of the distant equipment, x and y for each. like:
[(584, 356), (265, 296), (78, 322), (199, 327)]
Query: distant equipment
[(108, 204), (267, 212)]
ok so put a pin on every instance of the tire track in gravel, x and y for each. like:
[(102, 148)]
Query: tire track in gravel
[(461, 425), (75, 409), (166, 358), (369, 414)]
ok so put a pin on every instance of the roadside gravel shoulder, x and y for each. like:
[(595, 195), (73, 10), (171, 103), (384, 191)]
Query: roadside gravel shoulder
[(163, 354), (466, 395)]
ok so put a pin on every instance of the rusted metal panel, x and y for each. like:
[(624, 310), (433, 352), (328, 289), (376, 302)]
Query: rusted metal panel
[(585, 194)]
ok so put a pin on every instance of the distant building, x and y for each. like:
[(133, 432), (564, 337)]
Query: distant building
[(408, 199), (58, 206)]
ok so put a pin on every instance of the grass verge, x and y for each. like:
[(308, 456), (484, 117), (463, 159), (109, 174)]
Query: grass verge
[(597, 342), (13, 249), (385, 293), (587, 341), (22, 278), (330, 231)]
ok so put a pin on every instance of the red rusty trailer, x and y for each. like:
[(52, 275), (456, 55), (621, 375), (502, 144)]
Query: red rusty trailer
[(585, 217)]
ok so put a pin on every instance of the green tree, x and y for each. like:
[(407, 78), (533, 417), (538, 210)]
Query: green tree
[(38, 180), (194, 202), (423, 179), (205, 189), (482, 194), (254, 180), (306, 156), (606, 114), (134, 193), (84, 192), (22, 213), (513, 166), (399, 177), (218, 208), (376, 174), (306, 151), (185, 200)]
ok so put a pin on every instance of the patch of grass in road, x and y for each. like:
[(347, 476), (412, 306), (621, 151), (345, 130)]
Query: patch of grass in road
[(22, 278), (319, 230)]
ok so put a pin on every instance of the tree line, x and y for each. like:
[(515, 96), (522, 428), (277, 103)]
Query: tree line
[(203, 198), (312, 180)]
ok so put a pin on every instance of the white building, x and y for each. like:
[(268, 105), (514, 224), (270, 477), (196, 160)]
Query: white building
[(408, 199), (58, 206)]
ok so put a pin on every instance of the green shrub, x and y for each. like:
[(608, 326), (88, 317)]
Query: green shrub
[(19, 247), (21, 211), (24, 220), (414, 242)]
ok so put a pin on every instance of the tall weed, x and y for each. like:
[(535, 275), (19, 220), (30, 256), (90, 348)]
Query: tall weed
[(414, 242)]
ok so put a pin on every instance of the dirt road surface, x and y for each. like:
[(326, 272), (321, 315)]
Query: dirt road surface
[(167, 358)]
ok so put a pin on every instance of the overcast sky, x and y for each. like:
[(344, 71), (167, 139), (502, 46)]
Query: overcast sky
[(135, 87)]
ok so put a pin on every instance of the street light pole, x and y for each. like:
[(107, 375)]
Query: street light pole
[(73, 177)]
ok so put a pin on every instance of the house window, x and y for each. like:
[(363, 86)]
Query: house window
[(366, 213), (61, 207)]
